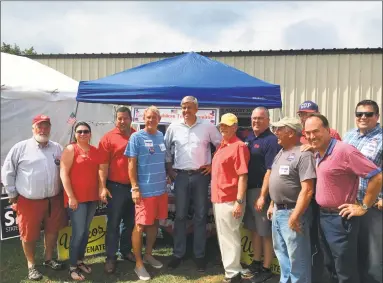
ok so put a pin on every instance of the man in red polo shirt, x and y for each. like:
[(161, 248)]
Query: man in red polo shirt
[(305, 110), (228, 191), (339, 167), (115, 189)]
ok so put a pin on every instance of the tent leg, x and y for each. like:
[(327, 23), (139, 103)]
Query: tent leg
[(71, 132)]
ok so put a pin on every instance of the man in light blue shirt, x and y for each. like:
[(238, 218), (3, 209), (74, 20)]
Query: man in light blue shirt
[(191, 139), (146, 153), (367, 138)]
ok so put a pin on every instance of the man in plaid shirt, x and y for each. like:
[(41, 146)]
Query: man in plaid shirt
[(367, 138)]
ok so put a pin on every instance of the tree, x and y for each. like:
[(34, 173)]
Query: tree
[(15, 49)]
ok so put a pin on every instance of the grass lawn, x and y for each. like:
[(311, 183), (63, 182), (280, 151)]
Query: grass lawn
[(13, 267)]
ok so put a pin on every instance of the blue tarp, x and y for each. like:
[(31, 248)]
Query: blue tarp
[(166, 82)]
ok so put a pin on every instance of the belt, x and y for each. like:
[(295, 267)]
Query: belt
[(285, 206), (190, 172), (330, 210), (118, 184)]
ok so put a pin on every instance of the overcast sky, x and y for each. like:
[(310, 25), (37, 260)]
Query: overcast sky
[(111, 27)]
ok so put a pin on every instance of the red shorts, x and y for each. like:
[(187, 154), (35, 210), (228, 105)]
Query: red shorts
[(32, 213), (152, 208)]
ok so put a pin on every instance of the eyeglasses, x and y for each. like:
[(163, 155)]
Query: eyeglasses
[(85, 132), (303, 114), (367, 114)]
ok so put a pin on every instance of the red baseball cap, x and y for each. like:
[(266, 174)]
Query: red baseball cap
[(41, 118)]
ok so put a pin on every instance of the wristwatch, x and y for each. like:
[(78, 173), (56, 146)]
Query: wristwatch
[(240, 201), (365, 207)]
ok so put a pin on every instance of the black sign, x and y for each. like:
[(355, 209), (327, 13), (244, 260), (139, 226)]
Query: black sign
[(101, 209), (9, 228)]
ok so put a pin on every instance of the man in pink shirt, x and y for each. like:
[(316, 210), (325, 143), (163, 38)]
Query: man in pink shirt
[(339, 166)]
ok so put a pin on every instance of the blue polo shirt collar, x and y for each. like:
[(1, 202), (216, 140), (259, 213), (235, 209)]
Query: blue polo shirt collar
[(328, 151)]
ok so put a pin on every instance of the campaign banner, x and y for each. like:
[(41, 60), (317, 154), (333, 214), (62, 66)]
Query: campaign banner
[(96, 239), (9, 227), (171, 114), (247, 251)]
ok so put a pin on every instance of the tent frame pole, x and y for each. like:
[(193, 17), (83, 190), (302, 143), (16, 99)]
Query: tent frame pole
[(75, 115)]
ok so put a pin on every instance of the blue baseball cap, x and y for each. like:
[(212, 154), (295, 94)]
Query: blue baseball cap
[(308, 106)]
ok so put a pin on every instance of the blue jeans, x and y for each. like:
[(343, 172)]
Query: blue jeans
[(190, 187), (292, 249), (80, 221), (370, 246), (339, 243), (120, 207)]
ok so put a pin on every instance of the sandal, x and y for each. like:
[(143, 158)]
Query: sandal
[(54, 264), (75, 274), (84, 268)]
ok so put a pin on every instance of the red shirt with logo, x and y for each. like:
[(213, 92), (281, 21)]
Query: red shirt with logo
[(112, 147), (230, 160), (84, 175)]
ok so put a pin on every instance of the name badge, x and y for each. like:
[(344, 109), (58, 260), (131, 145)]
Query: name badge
[(369, 149), (284, 170), (162, 147), (148, 143)]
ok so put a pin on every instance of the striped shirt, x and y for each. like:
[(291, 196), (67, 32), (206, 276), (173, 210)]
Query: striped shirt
[(370, 145), (150, 153), (191, 144), (32, 170)]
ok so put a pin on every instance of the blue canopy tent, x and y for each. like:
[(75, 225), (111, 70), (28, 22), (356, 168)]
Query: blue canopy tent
[(166, 82)]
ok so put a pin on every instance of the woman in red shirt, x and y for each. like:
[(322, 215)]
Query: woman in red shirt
[(79, 175)]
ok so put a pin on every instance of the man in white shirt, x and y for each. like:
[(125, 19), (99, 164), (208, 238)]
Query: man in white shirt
[(191, 138), (31, 178)]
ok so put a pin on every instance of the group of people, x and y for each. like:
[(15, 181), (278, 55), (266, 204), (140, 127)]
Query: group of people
[(292, 183)]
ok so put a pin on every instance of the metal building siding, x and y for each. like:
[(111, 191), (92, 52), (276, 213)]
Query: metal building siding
[(337, 82)]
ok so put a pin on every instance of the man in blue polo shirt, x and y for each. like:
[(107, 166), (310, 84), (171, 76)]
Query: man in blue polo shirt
[(367, 138), (146, 152), (263, 146)]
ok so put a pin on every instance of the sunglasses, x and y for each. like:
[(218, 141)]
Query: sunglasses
[(367, 114), (85, 132)]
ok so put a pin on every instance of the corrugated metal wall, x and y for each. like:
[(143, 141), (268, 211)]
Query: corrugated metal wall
[(335, 81)]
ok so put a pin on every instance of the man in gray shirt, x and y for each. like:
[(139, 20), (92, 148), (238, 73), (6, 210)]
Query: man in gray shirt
[(31, 178), (291, 188), (191, 138)]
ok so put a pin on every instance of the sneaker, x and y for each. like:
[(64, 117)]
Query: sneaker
[(149, 259), (236, 279), (53, 264), (142, 273), (255, 266), (110, 265), (262, 276), (34, 274), (174, 263), (201, 264)]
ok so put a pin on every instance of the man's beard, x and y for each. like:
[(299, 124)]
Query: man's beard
[(41, 138)]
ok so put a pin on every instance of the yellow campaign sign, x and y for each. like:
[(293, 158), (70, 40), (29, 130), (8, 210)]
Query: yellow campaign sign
[(96, 240), (247, 251)]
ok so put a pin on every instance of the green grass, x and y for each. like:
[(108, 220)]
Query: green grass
[(13, 268)]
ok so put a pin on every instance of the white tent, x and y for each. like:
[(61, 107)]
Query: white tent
[(29, 88)]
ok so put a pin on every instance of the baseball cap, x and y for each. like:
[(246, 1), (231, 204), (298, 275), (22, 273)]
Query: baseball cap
[(229, 119), (290, 122), (41, 118), (308, 106)]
